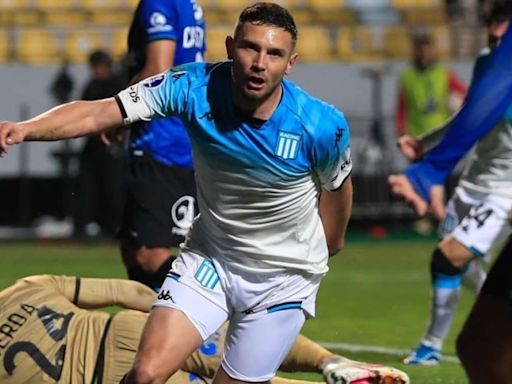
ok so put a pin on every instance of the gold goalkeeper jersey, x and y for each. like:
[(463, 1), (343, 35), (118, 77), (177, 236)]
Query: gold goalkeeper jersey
[(47, 333)]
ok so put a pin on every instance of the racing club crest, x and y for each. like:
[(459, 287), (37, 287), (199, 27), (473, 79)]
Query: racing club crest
[(287, 145)]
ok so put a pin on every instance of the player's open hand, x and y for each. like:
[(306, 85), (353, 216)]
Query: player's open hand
[(401, 187), (10, 134), (437, 205), (410, 147)]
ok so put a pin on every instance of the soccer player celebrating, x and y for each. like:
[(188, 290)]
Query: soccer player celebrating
[(52, 320), (274, 190)]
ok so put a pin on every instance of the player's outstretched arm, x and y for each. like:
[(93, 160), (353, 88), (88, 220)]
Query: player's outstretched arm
[(97, 293), (75, 119)]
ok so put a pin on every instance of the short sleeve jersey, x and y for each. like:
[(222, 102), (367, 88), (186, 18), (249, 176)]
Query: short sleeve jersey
[(258, 185), (181, 21)]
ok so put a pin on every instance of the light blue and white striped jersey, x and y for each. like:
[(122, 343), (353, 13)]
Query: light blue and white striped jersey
[(258, 185)]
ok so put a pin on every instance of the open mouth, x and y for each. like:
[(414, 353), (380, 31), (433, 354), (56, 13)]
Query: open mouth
[(255, 82)]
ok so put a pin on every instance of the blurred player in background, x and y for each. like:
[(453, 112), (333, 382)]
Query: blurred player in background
[(49, 332), (99, 188), (426, 94), (161, 195), (485, 342), (476, 215), (425, 90)]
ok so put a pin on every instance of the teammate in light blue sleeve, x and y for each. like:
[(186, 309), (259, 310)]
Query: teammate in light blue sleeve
[(485, 343), (273, 177)]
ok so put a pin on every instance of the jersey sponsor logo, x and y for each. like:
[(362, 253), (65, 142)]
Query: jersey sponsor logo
[(182, 214), (198, 11), (158, 23), (287, 145), (134, 95), (206, 275), (193, 37), (154, 81)]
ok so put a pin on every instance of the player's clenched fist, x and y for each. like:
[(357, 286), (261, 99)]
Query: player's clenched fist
[(10, 134)]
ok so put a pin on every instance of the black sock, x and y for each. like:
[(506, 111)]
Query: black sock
[(158, 277)]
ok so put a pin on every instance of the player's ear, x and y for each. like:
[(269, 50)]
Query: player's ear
[(291, 62), (230, 46)]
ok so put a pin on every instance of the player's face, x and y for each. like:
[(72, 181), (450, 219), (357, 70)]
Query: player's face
[(262, 55), (426, 55)]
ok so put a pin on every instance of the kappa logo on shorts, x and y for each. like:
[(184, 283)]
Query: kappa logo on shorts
[(165, 295), (206, 275), (287, 145)]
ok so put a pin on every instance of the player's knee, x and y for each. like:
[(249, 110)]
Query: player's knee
[(441, 265)]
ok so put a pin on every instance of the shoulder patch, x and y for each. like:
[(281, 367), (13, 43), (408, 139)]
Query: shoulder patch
[(154, 81)]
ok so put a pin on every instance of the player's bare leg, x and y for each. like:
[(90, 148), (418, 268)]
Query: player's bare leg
[(168, 339), (447, 266), (304, 356)]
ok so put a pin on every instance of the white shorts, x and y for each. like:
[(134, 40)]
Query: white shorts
[(266, 310), (477, 220)]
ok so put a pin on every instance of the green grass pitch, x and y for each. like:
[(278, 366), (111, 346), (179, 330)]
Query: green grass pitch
[(375, 295)]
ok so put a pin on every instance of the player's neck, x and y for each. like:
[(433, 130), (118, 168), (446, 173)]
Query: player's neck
[(259, 109)]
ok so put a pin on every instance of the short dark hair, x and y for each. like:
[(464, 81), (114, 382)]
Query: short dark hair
[(99, 57), (421, 39), (496, 11), (263, 13)]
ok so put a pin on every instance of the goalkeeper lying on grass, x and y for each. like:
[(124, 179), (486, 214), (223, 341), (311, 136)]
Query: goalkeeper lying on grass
[(48, 333)]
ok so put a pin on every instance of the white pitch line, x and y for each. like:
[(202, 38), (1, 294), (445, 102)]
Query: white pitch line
[(378, 349)]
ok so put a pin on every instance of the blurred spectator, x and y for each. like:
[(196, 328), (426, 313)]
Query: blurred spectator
[(426, 92), (62, 85), (99, 188), (426, 98)]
